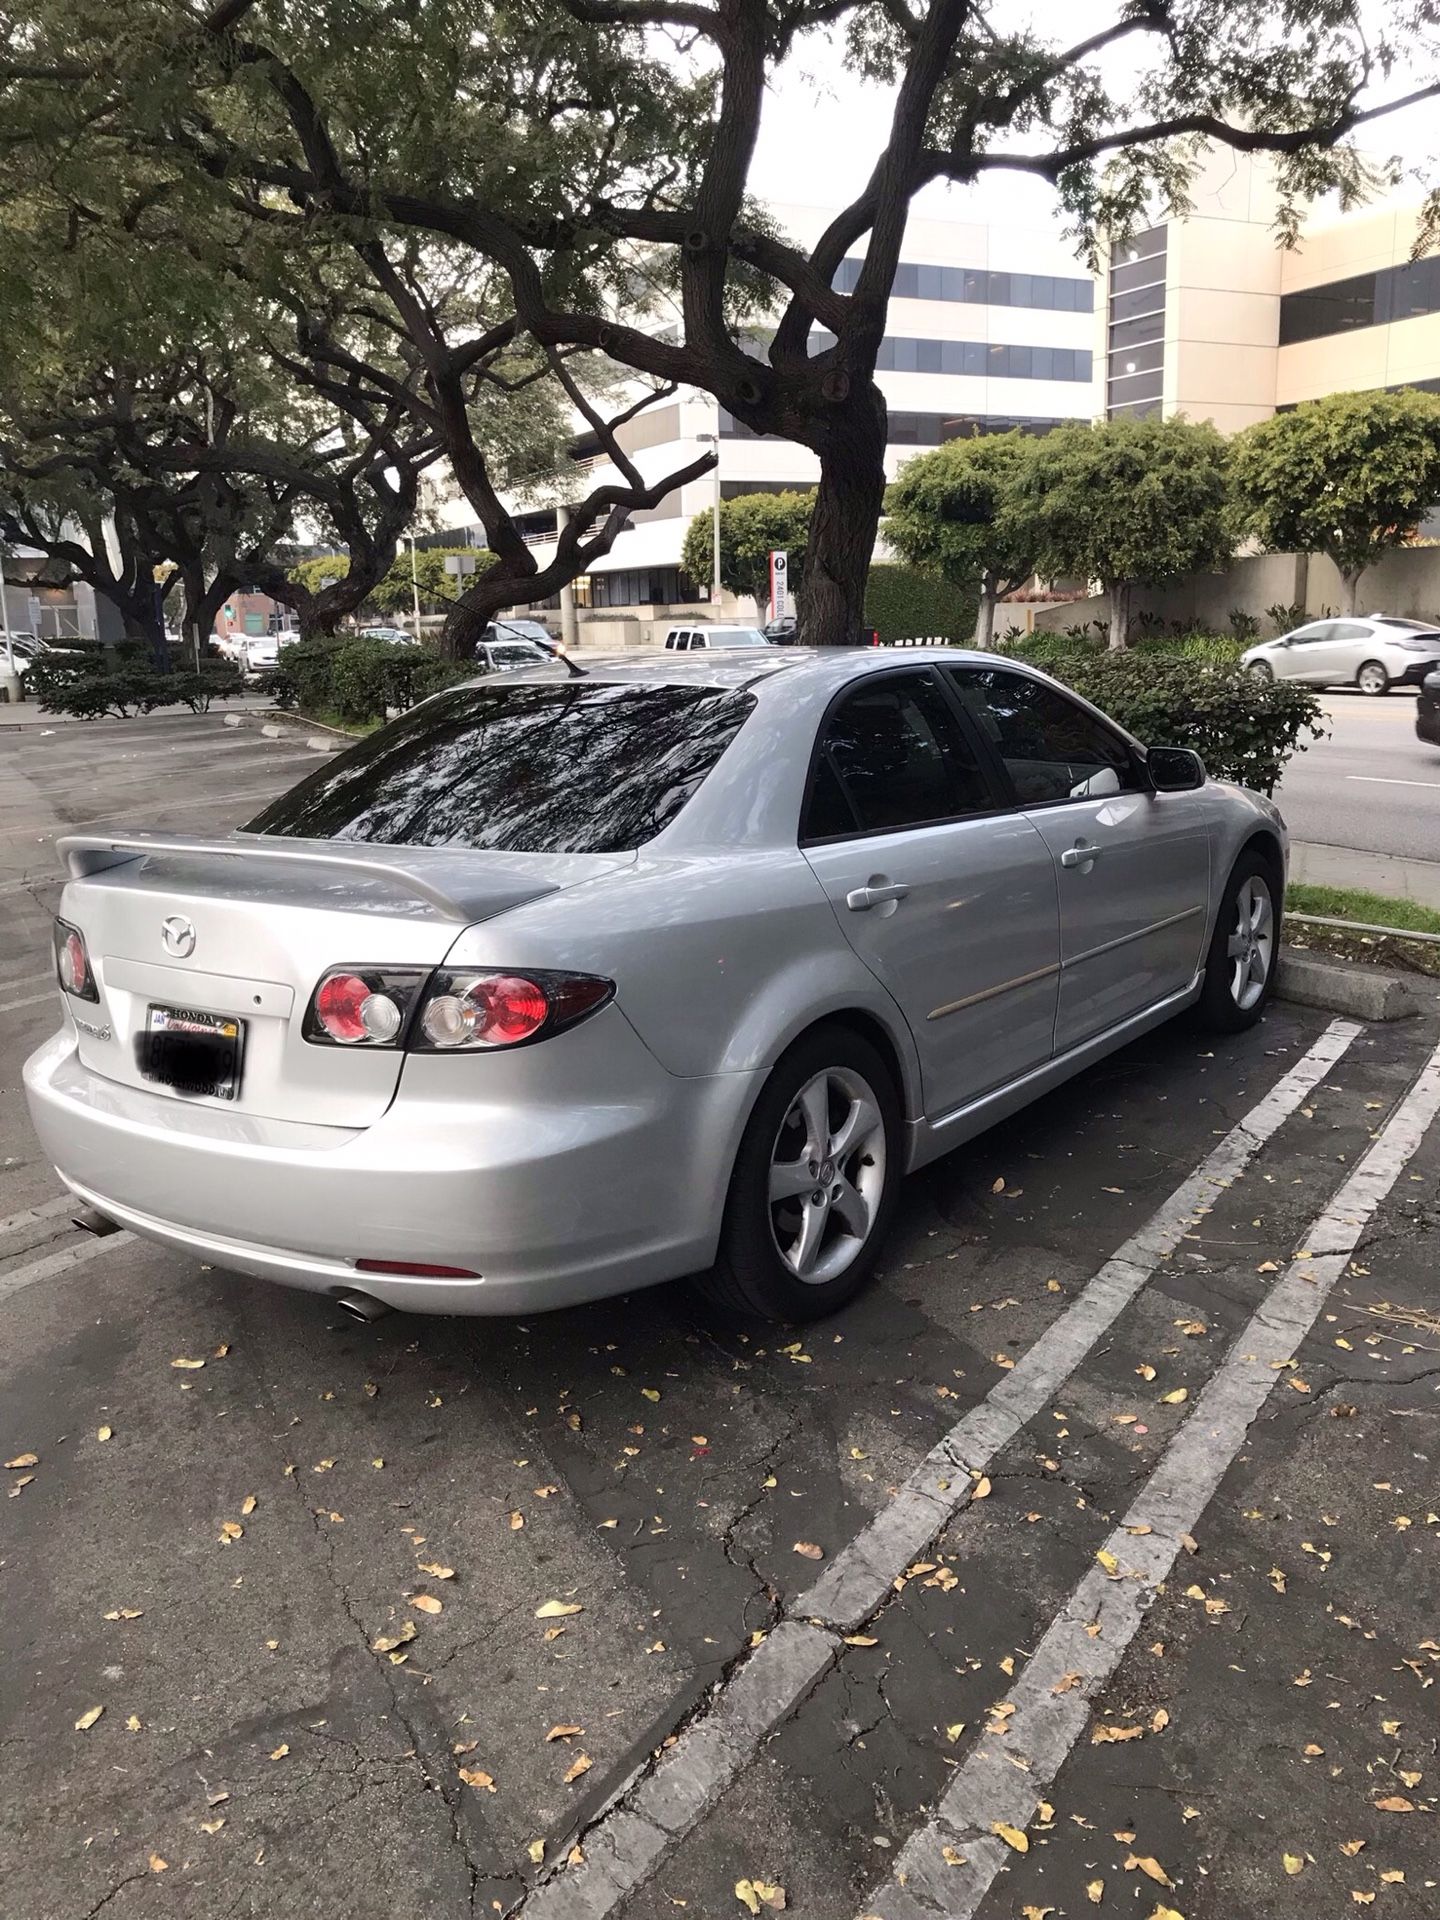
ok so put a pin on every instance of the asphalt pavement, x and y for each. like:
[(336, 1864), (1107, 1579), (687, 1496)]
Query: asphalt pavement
[(1087, 1565), (1371, 786)]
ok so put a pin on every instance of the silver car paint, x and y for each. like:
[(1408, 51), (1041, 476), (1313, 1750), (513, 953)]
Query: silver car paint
[(539, 1167), (1331, 652)]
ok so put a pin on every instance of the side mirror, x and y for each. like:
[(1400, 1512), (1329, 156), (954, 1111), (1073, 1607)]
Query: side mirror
[(1175, 769)]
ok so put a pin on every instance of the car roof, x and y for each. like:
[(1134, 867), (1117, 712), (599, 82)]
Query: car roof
[(751, 668)]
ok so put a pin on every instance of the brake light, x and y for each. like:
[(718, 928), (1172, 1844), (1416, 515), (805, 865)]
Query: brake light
[(416, 1269), (492, 1009), (72, 962), (362, 1006)]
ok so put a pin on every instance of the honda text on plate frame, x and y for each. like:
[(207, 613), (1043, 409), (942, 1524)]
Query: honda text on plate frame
[(564, 984)]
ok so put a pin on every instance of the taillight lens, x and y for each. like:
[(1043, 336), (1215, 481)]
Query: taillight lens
[(72, 962), (362, 1006), (484, 1009)]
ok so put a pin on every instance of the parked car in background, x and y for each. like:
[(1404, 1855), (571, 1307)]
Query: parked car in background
[(700, 639), (534, 630), (1427, 710), (555, 987), (1373, 652), (259, 654), (784, 631), (392, 636), (505, 656)]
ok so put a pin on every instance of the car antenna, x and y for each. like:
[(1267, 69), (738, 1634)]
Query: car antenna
[(580, 673)]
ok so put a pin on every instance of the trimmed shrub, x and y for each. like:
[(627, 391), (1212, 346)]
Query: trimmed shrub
[(120, 681), (357, 680), (902, 604), (1244, 729)]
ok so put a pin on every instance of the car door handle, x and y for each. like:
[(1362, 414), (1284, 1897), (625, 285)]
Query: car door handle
[(861, 899), (1080, 855)]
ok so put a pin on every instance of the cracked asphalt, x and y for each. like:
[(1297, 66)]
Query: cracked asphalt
[(307, 1582)]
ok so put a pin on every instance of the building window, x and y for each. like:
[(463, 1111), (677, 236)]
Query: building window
[(1135, 353), (1362, 300), (973, 358), (917, 430), (642, 587), (976, 286)]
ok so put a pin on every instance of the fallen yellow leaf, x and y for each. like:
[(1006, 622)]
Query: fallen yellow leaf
[(1035, 1913), (536, 1851), (104, 1433), (1174, 1398), (1094, 1891), (427, 1603), (557, 1609), (517, 1521), (755, 1894), (231, 1530), (158, 1864), (1395, 1803), (24, 1460), (1108, 1560), (563, 1732), (808, 1549), (387, 1642), (88, 1719), (477, 1778), (249, 1503), (1110, 1736), (281, 1751), (1012, 1836), (189, 1366), (437, 1572), (582, 1763), (1149, 1866), (981, 1488), (212, 1826), (1392, 1877), (1293, 1863), (650, 1393)]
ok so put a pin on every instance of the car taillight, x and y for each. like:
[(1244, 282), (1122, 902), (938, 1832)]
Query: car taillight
[(489, 1008), (72, 962), (362, 1006), (451, 1010)]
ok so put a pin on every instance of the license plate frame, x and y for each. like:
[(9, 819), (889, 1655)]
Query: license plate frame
[(196, 1054)]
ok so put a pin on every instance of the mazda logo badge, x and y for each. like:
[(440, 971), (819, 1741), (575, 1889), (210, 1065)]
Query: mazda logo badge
[(177, 936)]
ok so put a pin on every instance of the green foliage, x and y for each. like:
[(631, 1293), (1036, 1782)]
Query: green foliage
[(1244, 730), (120, 681), (903, 604), (952, 513), (357, 680), (395, 592), (1053, 650), (1126, 502), (752, 526), (1349, 476), (1355, 903)]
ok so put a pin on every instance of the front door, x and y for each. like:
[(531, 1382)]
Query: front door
[(1308, 654), (1132, 866), (949, 899)]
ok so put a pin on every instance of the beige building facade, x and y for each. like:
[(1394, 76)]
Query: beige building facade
[(1210, 317)]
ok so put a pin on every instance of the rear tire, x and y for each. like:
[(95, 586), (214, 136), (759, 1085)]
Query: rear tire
[(814, 1185), (1260, 670), (1373, 679), (1244, 948)]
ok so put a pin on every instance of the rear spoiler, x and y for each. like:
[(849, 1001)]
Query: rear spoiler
[(88, 853)]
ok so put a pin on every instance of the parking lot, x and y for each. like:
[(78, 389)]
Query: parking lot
[(1087, 1564)]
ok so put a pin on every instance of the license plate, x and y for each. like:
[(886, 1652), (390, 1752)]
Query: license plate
[(195, 1053)]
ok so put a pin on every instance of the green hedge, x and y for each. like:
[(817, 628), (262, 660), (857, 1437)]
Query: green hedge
[(1243, 729), (355, 680), (905, 605), (1089, 642), (121, 680)]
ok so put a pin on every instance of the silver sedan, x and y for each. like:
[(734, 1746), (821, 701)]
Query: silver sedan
[(1373, 652), (571, 981)]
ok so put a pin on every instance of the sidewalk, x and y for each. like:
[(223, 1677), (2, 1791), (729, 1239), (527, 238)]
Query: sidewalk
[(27, 714), (1320, 866)]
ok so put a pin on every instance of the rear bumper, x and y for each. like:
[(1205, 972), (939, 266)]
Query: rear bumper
[(551, 1198)]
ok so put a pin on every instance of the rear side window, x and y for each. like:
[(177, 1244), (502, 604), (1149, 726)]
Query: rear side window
[(893, 754), (575, 768)]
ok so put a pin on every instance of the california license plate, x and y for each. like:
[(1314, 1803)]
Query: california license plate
[(195, 1053)]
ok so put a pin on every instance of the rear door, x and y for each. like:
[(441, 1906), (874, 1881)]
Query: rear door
[(948, 898), (1132, 866)]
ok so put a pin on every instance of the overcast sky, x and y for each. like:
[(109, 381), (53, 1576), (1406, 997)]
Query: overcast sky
[(822, 128)]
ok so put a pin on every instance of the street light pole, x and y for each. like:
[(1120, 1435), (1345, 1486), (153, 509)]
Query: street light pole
[(713, 440), (415, 586)]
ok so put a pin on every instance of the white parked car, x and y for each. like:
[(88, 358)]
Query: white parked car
[(699, 639), (1373, 652), (392, 636), (259, 653)]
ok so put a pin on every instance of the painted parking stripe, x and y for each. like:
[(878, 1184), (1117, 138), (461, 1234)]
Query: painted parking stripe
[(651, 1810), (30, 1000), (47, 1210), (57, 1263), (1005, 1776)]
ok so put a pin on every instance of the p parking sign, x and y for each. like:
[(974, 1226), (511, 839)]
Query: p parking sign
[(779, 585)]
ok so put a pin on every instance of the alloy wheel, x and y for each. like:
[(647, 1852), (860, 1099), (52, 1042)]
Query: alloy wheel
[(827, 1175), (1261, 670), (1251, 946), (1372, 678)]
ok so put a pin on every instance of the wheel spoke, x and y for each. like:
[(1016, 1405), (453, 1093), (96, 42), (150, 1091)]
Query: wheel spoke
[(814, 1106), (853, 1209), (1258, 967), (788, 1180), (1237, 946), (857, 1126), (812, 1228)]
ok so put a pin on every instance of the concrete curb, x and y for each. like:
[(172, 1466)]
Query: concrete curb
[(329, 741), (1346, 986)]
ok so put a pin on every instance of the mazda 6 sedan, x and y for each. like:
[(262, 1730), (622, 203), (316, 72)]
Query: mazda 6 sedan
[(571, 981)]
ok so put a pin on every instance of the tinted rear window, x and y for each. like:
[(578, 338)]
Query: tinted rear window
[(570, 768)]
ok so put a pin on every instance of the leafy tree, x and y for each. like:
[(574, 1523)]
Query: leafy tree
[(1349, 476), (1125, 502), (394, 592), (752, 527), (952, 513), (579, 149)]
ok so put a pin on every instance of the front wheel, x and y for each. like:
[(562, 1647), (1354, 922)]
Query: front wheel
[(1244, 948), (1260, 670), (815, 1182), (1373, 679)]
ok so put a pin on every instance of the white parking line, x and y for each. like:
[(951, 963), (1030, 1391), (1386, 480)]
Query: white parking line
[(47, 1210), (1380, 780), (53, 1263), (1003, 1779), (30, 1000), (650, 1811)]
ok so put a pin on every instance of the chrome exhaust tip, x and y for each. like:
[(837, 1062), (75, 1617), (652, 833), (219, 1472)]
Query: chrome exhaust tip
[(363, 1307)]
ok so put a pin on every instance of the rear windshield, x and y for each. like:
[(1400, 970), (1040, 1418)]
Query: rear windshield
[(576, 767)]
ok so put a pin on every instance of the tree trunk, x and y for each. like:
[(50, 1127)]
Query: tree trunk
[(985, 614), (843, 525), (1119, 593), (1349, 587)]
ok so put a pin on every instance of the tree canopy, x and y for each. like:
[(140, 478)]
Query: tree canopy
[(752, 527), (1127, 502), (1349, 476), (954, 513)]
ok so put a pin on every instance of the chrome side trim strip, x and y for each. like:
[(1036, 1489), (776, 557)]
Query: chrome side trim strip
[(990, 993), (1109, 946)]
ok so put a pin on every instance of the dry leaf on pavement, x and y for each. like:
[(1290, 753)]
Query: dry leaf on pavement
[(808, 1549), (1109, 1736), (387, 1642), (755, 1894), (1012, 1836), (427, 1603), (1149, 1866), (24, 1460), (88, 1719), (436, 1571), (188, 1366), (557, 1609), (563, 1732), (582, 1763), (477, 1778)]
